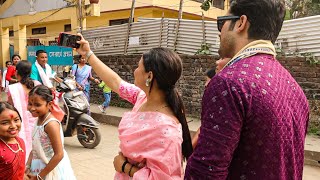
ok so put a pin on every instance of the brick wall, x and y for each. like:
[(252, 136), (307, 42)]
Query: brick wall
[(191, 84), (308, 76)]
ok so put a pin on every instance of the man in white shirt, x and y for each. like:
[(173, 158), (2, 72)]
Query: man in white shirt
[(42, 72)]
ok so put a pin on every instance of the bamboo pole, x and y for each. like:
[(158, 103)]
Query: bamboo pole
[(203, 30), (161, 28), (178, 26), (129, 26)]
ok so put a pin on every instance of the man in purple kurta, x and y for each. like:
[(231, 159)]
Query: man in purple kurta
[(254, 114)]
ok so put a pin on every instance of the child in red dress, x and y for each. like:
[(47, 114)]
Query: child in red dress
[(12, 148)]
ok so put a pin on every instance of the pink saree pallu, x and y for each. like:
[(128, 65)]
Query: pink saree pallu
[(151, 138), (20, 101)]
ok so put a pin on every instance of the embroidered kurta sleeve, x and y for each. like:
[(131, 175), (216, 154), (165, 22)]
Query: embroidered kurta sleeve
[(129, 92), (222, 115)]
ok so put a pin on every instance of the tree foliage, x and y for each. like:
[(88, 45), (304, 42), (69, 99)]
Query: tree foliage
[(206, 4), (296, 8), (303, 8), (212, 3)]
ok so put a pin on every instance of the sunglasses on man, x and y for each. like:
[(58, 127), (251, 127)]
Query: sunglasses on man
[(222, 19)]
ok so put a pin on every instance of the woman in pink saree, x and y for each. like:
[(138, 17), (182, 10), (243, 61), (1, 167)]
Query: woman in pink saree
[(18, 97), (154, 136)]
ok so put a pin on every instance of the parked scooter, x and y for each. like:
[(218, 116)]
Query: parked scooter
[(76, 120)]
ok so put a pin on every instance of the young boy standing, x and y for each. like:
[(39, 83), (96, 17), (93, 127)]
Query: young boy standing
[(107, 97)]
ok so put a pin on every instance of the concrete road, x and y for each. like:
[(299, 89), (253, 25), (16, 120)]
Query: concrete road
[(96, 164)]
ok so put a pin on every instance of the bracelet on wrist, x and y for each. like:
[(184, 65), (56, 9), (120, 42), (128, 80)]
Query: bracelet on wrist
[(88, 55), (130, 171), (124, 165)]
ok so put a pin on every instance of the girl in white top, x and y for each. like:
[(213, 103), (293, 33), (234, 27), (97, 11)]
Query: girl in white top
[(48, 159)]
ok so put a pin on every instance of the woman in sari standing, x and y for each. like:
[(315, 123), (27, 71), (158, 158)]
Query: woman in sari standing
[(83, 75), (154, 136)]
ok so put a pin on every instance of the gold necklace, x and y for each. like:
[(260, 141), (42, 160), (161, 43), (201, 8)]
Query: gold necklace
[(14, 151)]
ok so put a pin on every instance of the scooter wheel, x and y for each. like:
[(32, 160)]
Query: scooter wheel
[(88, 137)]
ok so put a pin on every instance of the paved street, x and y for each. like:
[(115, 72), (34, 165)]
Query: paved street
[(96, 164)]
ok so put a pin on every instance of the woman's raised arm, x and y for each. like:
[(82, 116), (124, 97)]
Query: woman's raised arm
[(111, 78)]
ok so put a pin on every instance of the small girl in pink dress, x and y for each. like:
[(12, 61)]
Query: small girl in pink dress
[(154, 136)]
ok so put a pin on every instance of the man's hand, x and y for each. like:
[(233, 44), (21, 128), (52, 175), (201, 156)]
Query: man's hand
[(53, 89), (57, 79)]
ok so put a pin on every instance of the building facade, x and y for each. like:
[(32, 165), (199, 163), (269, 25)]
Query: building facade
[(39, 22)]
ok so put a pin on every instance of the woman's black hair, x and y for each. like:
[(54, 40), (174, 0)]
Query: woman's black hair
[(24, 70), (265, 17), (43, 91), (211, 72), (40, 51), (79, 58), (166, 67), (15, 55), (5, 105)]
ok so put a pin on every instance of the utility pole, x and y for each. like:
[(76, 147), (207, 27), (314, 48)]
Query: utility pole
[(132, 11), (178, 26), (80, 5), (161, 28), (203, 30), (129, 26), (180, 9)]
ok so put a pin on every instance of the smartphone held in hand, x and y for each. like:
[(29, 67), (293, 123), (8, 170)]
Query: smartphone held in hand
[(68, 40)]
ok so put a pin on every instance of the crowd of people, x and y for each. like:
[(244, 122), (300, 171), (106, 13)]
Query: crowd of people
[(251, 126)]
